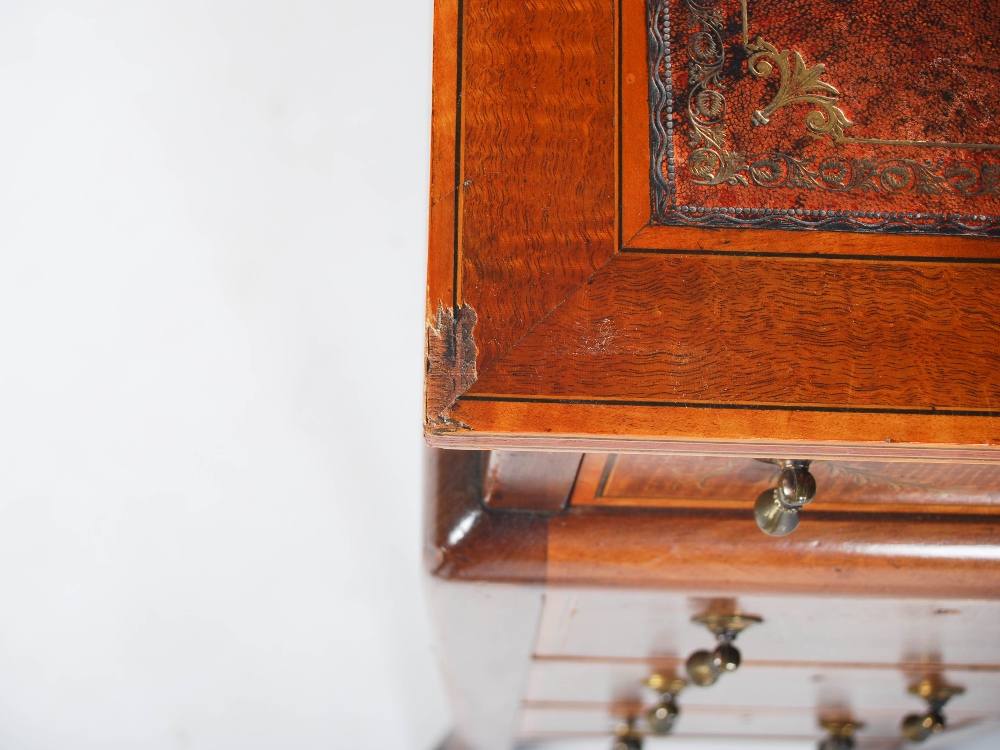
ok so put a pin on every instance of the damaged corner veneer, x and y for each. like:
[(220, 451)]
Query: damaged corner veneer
[(451, 364)]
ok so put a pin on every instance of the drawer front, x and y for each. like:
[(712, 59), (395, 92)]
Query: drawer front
[(655, 481), (810, 658), (645, 625)]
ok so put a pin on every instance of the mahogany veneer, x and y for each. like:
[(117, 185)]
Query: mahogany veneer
[(562, 316)]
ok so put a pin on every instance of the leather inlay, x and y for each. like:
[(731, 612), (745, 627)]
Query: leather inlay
[(834, 114)]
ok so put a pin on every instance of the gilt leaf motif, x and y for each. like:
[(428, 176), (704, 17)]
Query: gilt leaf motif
[(799, 84)]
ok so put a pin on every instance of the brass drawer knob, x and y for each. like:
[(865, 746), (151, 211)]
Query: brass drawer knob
[(918, 727), (777, 510), (839, 734), (661, 718), (705, 667), (628, 737)]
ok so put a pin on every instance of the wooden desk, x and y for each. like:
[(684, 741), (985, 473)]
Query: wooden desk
[(669, 241)]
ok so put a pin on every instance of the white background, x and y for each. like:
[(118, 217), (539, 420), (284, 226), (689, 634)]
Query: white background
[(212, 240)]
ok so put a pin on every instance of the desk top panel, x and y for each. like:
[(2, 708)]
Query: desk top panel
[(567, 309)]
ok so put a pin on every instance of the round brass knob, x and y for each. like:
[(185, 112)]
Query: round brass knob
[(627, 737), (705, 667), (918, 727), (773, 516), (726, 657), (796, 485), (661, 719), (666, 685), (936, 721), (777, 511), (702, 669)]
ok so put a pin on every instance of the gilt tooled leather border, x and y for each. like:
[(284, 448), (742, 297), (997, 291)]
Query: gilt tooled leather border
[(712, 162)]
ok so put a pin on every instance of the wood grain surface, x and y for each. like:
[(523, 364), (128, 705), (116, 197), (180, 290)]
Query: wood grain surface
[(571, 424), (444, 160), (722, 330), (904, 555), (849, 553), (633, 135), (538, 179), (774, 241), (720, 341)]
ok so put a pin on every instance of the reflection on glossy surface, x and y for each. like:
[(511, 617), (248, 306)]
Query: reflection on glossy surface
[(929, 551)]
